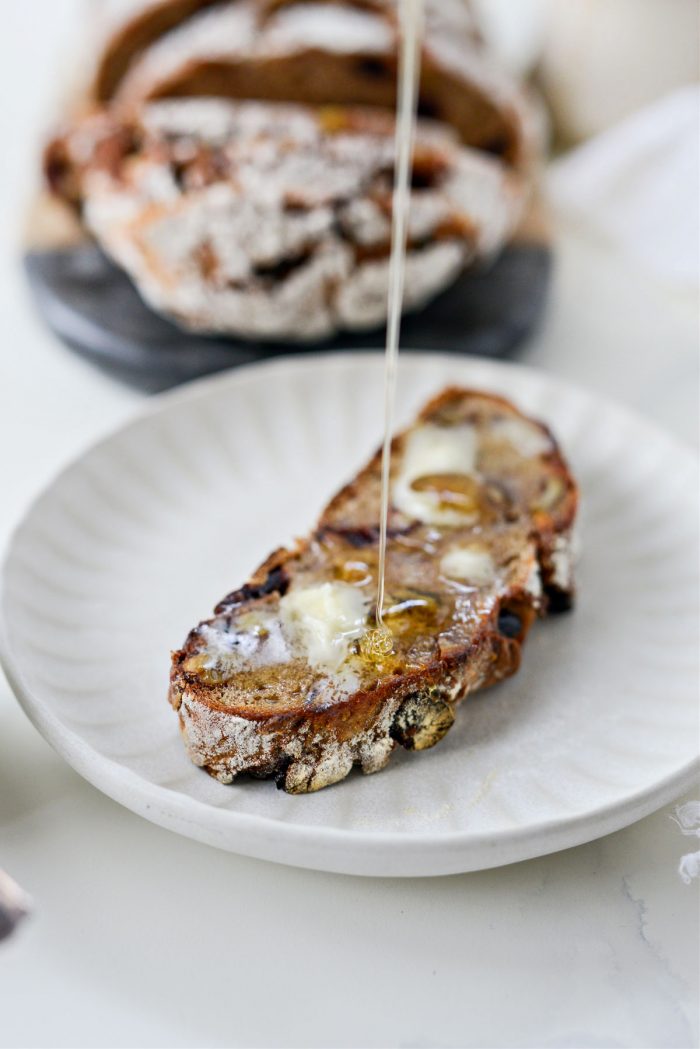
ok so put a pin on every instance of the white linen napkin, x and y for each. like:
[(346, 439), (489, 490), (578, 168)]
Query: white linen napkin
[(637, 184)]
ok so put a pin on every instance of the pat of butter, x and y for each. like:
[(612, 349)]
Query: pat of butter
[(429, 450), (469, 564), (323, 620), (526, 438)]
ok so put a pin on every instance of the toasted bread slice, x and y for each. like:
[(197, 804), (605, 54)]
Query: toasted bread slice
[(290, 680)]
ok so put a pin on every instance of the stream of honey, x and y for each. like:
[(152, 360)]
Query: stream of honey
[(411, 24)]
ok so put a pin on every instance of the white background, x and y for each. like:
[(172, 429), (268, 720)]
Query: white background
[(140, 938)]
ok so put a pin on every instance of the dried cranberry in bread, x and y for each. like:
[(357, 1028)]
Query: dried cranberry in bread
[(285, 680), (317, 53), (274, 221)]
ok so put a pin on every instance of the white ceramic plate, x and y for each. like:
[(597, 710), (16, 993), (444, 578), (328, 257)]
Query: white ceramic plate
[(138, 539)]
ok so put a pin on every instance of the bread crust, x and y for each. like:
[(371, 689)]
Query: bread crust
[(308, 731), (131, 36)]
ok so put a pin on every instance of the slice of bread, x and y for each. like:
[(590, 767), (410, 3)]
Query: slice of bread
[(291, 680), (320, 52)]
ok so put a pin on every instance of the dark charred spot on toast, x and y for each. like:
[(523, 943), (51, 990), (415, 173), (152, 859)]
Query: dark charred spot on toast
[(366, 535), (356, 537), (277, 581)]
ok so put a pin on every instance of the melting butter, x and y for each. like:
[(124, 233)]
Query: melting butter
[(525, 438), (469, 564), (323, 620), (254, 640), (431, 450), (315, 623)]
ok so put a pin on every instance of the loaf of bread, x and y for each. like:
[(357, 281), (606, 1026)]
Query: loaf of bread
[(273, 220), (291, 679), (236, 157)]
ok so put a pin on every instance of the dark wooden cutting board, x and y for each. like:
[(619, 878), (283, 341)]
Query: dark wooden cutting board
[(93, 307)]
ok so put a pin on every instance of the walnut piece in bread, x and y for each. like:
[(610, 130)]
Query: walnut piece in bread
[(285, 681)]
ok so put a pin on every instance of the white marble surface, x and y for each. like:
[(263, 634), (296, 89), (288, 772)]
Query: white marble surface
[(140, 938)]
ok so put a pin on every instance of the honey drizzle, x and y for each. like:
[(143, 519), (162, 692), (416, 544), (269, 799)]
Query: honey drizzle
[(411, 22)]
